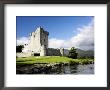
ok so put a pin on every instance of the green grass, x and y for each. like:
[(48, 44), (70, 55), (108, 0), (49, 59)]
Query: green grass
[(51, 59)]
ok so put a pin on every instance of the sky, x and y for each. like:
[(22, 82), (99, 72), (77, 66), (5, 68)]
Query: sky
[(64, 31)]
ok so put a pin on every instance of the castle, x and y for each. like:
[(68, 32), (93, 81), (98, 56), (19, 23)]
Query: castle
[(38, 46)]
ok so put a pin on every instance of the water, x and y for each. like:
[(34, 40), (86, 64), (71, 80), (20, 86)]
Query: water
[(79, 69), (63, 69)]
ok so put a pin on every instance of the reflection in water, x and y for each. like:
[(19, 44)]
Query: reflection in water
[(75, 69), (61, 69), (70, 69)]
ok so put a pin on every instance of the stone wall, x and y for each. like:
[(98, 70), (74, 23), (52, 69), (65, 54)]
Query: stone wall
[(24, 54), (45, 52), (38, 38), (53, 52), (38, 44), (57, 52), (66, 52)]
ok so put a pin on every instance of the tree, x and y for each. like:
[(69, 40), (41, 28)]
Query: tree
[(72, 53), (19, 48)]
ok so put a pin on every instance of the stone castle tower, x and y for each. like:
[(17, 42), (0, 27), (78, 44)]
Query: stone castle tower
[(38, 42), (38, 45)]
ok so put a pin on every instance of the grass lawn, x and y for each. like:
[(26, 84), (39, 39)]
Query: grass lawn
[(50, 59)]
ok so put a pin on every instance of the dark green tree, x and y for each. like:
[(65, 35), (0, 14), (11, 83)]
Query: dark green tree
[(19, 48), (72, 53)]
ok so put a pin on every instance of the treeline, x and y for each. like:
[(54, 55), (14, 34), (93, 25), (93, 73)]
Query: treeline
[(77, 55), (19, 48)]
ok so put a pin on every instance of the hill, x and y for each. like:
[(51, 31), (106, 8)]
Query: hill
[(85, 54)]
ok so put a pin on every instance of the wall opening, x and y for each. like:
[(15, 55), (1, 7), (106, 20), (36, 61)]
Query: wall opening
[(36, 54)]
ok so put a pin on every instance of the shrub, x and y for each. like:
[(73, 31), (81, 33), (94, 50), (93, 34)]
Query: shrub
[(72, 53)]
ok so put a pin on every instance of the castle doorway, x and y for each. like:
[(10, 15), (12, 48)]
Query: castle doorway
[(36, 54)]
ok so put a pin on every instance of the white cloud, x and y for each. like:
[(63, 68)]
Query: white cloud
[(83, 40), (56, 43), (22, 40)]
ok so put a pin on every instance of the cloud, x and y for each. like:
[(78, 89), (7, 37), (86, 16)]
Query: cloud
[(22, 40), (56, 43), (83, 40)]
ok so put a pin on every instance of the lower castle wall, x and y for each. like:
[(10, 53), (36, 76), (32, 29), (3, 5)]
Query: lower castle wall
[(53, 52), (56, 52), (24, 54), (66, 52), (49, 52)]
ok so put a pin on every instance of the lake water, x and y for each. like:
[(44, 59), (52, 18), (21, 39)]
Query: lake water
[(78, 69), (63, 69)]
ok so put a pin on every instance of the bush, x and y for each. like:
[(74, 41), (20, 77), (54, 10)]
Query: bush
[(19, 48), (72, 53), (73, 63)]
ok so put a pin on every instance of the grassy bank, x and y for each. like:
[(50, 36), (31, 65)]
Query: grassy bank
[(50, 60)]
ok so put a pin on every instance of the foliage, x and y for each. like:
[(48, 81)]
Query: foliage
[(86, 57), (72, 53), (19, 48)]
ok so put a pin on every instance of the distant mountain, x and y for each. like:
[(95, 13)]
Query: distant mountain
[(83, 53)]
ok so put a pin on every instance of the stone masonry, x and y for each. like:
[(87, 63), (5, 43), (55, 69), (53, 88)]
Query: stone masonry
[(38, 45)]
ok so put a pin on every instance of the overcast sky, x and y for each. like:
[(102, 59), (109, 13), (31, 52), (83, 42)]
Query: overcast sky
[(64, 31)]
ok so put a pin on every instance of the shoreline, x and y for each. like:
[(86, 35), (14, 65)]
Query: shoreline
[(47, 65), (43, 68)]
